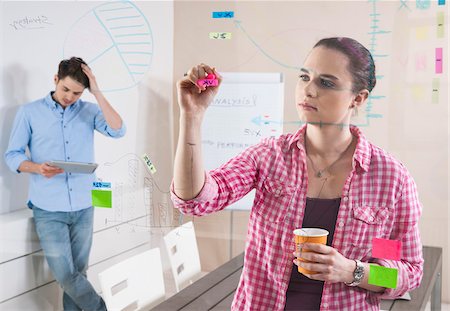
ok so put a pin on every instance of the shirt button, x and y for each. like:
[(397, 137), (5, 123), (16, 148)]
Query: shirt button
[(65, 126), (67, 142), (70, 173), (325, 305), (346, 199), (68, 158), (70, 189), (371, 218), (341, 224)]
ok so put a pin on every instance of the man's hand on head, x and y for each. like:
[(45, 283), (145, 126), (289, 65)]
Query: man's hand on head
[(93, 86)]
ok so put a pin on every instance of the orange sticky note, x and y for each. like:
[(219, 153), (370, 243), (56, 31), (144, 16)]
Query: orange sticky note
[(386, 249)]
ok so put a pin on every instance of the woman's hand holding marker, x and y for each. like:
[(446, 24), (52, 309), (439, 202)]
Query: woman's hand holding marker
[(197, 89)]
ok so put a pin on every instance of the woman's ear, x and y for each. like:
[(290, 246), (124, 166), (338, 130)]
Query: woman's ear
[(360, 98)]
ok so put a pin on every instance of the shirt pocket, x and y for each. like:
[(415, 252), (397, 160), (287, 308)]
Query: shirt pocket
[(367, 223), (274, 200)]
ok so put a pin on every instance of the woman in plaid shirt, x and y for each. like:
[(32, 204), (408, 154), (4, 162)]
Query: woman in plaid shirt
[(327, 175)]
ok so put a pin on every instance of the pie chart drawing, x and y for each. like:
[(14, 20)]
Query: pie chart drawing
[(116, 40)]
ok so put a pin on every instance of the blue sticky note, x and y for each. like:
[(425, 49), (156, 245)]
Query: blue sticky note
[(441, 2), (225, 14), (100, 184)]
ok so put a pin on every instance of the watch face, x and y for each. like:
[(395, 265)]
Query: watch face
[(359, 271)]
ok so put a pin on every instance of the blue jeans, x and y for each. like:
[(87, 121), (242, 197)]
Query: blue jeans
[(66, 239)]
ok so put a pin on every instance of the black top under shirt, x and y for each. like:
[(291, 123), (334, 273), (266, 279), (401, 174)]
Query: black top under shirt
[(303, 293)]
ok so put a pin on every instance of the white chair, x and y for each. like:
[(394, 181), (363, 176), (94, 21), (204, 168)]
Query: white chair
[(181, 246), (136, 283)]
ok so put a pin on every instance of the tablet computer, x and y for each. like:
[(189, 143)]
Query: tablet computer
[(75, 167)]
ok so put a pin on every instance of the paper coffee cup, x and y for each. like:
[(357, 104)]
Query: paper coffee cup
[(308, 235)]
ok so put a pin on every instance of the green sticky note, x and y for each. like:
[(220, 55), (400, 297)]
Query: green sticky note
[(435, 91), (382, 276), (102, 198), (440, 25)]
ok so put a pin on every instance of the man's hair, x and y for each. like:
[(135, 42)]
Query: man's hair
[(72, 68), (361, 64)]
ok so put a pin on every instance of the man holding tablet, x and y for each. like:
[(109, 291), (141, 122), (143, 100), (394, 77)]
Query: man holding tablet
[(60, 127)]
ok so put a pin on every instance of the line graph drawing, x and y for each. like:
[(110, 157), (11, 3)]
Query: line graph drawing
[(138, 201), (363, 120), (375, 32), (115, 36)]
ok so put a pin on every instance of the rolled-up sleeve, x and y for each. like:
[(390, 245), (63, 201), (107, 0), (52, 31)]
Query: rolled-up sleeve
[(18, 141), (406, 229), (102, 126), (223, 186), (199, 205)]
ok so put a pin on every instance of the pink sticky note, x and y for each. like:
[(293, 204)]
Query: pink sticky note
[(211, 76), (438, 60), (386, 249), (208, 82)]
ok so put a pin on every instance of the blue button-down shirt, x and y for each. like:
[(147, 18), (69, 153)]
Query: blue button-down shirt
[(53, 133)]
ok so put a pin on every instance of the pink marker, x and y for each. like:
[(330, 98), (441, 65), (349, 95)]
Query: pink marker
[(210, 80)]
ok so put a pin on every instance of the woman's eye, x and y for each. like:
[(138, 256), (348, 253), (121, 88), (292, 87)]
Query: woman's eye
[(304, 77), (326, 83)]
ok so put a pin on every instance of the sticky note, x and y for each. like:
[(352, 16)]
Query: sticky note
[(100, 184), (224, 14), (102, 198), (439, 60), (423, 4), (149, 163), (441, 2), (220, 35), (421, 32), (435, 91), (386, 249), (418, 92), (420, 61), (382, 276), (440, 19)]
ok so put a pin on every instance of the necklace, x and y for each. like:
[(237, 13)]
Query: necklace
[(319, 173)]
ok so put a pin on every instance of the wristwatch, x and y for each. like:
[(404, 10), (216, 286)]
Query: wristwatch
[(358, 274)]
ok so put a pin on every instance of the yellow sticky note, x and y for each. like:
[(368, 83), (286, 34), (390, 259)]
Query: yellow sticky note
[(440, 19), (220, 35), (421, 33), (149, 163), (418, 92)]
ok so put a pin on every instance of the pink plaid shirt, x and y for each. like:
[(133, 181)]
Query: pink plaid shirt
[(379, 199)]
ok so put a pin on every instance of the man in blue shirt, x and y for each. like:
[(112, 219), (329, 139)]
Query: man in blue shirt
[(61, 127)]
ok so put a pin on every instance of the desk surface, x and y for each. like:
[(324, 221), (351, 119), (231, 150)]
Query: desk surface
[(215, 291)]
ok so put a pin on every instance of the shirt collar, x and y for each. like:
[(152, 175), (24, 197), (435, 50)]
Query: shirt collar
[(54, 105), (50, 102), (363, 149)]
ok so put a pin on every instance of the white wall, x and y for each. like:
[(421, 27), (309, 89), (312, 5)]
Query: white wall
[(35, 36)]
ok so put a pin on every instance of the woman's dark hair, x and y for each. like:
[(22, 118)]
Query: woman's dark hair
[(361, 64), (72, 68)]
